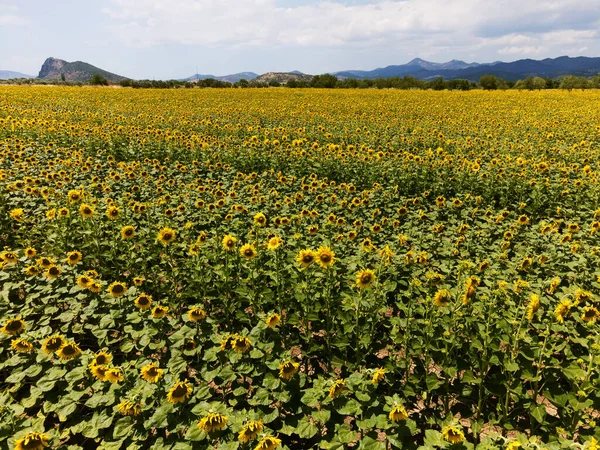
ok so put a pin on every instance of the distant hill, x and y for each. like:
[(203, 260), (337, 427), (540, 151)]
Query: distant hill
[(233, 78), (8, 75), (517, 70), (74, 71), (282, 77)]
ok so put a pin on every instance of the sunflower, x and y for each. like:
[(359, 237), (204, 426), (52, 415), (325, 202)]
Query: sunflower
[(325, 257), (260, 220), (202, 237), (17, 214), (250, 431), (138, 281), (99, 372), (590, 314), (64, 212), (365, 278), (512, 445), (32, 441), (127, 232), (213, 422), (151, 373), (194, 249), (240, 344), (143, 302), (95, 287), (442, 298), (9, 257), (248, 251), (101, 359), (53, 344), (74, 196), (288, 369), (378, 375), (53, 271), (337, 387), (523, 220), (30, 252), (562, 310), (44, 262), (268, 443), (179, 392), (398, 414), (13, 327), (534, 305), (158, 312), (69, 351), (32, 271), (273, 320), (195, 314), (22, 345), (117, 289), (112, 212), (114, 375), (86, 210), (229, 242), (166, 236), (274, 243), (84, 281), (453, 435), (74, 257), (129, 408), (306, 257)]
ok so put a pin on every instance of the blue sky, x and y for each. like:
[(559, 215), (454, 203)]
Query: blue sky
[(160, 39)]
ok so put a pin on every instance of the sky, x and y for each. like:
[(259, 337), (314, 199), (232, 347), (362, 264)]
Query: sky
[(161, 39)]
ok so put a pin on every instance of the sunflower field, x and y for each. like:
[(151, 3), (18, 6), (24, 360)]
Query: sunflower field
[(317, 269)]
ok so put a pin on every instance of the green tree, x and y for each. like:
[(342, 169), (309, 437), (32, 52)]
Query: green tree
[(62, 77), (539, 83), (488, 82), (98, 80)]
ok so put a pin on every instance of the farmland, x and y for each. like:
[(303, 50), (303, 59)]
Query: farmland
[(261, 269)]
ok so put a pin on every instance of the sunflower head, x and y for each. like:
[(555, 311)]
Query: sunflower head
[(166, 236), (143, 302), (229, 243), (288, 369), (306, 257), (273, 320), (196, 314), (53, 344), (22, 346), (213, 422), (151, 373), (250, 431), (101, 358), (274, 243), (32, 441), (53, 271), (365, 278), (158, 312), (453, 435), (129, 408), (337, 387), (69, 351), (127, 232), (442, 298), (325, 257), (117, 289), (179, 392), (74, 257), (398, 414), (248, 251), (13, 327)]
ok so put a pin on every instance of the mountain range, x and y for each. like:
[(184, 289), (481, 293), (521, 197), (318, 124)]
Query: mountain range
[(547, 68)]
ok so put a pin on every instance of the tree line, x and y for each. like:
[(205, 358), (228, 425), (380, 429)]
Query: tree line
[(327, 81)]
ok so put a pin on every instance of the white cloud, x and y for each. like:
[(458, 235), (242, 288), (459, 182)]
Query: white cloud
[(426, 27), (9, 16)]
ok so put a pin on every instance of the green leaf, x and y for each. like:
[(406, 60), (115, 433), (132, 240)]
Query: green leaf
[(122, 427)]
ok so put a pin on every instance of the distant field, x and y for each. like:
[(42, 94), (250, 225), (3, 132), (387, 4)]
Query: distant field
[(280, 268)]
